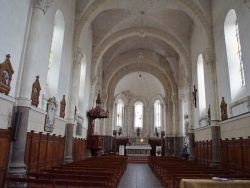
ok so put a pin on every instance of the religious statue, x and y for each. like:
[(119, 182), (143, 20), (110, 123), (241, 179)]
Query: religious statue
[(114, 133), (51, 112), (194, 96), (6, 72), (119, 131), (138, 131), (223, 107), (162, 134), (209, 116), (35, 92), (62, 108), (156, 132)]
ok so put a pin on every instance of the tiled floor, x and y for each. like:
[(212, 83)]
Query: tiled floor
[(139, 176)]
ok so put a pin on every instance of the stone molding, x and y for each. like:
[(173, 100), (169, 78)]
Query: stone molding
[(78, 55), (42, 4)]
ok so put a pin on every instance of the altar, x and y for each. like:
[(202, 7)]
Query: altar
[(138, 150)]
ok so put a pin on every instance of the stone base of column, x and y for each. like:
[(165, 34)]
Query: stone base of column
[(67, 159), (214, 164), (69, 143), (191, 158), (215, 131), (17, 170), (88, 153)]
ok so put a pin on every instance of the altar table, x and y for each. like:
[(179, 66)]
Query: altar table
[(206, 183), (138, 150)]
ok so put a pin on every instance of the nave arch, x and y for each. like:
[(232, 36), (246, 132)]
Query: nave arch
[(109, 89), (131, 57)]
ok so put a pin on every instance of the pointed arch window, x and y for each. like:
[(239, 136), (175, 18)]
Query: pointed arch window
[(157, 114), (138, 113), (201, 85), (234, 53)]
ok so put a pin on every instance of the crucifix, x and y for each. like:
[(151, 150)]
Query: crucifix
[(194, 96)]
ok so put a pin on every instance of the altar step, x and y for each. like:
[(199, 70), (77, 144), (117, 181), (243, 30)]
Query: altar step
[(137, 159)]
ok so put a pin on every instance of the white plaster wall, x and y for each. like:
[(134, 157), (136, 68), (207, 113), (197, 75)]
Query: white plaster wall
[(88, 40), (87, 90), (37, 120), (203, 133), (68, 10), (219, 12), (236, 127), (47, 24), (6, 112), (14, 16), (197, 42)]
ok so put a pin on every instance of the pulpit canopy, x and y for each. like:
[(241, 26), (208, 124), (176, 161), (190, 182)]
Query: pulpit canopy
[(98, 112)]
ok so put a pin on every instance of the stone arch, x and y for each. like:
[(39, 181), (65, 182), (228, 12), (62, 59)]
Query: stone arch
[(110, 87), (132, 57)]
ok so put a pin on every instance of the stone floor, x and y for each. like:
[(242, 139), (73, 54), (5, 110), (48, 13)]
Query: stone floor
[(139, 176)]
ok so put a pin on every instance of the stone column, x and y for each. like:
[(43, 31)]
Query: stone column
[(211, 83), (180, 131), (73, 104), (17, 167), (189, 100), (69, 143)]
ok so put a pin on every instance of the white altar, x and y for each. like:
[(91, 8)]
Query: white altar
[(138, 150)]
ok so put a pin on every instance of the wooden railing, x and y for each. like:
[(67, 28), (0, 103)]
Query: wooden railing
[(79, 149), (234, 153), (43, 151), (203, 152), (5, 140)]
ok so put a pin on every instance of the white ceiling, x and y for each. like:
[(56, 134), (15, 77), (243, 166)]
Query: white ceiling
[(140, 84), (166, 16)]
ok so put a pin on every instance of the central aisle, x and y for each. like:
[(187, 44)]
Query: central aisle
[(139, 176)]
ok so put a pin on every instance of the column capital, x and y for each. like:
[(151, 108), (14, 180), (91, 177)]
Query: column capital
[(182, 97), (78, 55), (94, 80), (208, 55), (42, 4)]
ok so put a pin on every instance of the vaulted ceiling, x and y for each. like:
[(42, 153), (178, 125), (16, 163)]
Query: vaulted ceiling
[(151, 33)]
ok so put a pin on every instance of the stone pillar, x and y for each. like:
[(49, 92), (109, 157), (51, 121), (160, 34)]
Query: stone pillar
[(73, 104), (180, 131), (170, 117), (189, 101), (69, 143), (210, 77), (191, 146), (17, 167), (215, 145), (126, 126)]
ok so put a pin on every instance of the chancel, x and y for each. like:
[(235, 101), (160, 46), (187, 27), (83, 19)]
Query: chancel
[(95, 91)]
